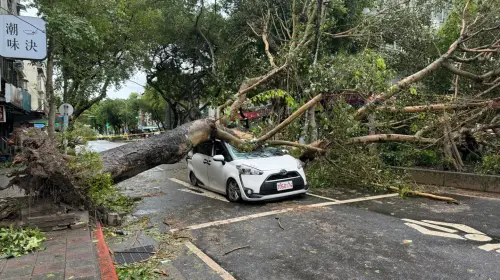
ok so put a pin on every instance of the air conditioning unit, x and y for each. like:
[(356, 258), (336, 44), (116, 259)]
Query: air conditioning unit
[(18, 65)]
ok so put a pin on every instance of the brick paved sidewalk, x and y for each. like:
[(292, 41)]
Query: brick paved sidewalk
[(69, 254)]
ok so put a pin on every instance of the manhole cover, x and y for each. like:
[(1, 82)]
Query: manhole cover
[(134, 255)]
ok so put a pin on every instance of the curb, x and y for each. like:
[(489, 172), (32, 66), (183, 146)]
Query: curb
[(106, 266)]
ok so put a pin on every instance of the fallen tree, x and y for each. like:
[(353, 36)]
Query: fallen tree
[(48, 173)]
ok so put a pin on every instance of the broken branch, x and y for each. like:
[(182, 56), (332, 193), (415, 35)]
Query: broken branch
[(236, 249), (293, 144), (370, 106), (439, 107), (291, 118), (428, 195), (391, 138)]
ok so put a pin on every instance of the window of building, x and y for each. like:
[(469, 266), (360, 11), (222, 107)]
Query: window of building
[(39, 83)]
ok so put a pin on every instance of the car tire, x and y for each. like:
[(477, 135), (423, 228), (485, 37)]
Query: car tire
[(193, 179), (233, 193)]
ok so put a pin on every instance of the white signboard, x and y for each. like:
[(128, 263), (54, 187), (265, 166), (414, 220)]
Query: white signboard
[(66, 109), (23, 37)]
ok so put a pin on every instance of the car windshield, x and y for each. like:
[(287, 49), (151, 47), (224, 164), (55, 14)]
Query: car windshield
[(260, 153)]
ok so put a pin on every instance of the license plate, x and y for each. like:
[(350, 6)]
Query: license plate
[(285, 186)]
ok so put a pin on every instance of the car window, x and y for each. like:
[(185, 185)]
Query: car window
[(220, 150), (204, 148)]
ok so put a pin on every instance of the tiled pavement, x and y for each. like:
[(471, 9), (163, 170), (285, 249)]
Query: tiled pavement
[(69, 254)]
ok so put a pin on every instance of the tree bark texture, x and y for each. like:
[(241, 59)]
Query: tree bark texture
[(49, 87), (129, 160)]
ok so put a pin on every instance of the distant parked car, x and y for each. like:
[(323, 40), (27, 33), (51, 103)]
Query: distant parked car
[(264, 174)]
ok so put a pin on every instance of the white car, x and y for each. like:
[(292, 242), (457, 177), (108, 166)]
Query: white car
[(268, 173)]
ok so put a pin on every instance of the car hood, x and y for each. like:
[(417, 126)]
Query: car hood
[(286, 162)]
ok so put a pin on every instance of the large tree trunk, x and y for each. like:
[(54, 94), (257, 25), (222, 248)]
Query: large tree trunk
[(129, 160)]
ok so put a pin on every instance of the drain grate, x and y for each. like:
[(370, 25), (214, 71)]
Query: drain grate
[(134, 255)]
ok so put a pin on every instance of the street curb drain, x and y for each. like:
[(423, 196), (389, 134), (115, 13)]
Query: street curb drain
[(134, 255)]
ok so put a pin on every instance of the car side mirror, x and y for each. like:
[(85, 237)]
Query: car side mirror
[(219, 158)]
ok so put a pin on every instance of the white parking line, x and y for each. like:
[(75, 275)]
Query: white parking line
[(157, 169), (433, 232), (198, 191), (211, 263), (461, 227), (263, 214), (323, 197), (449, 230), (210, 195)]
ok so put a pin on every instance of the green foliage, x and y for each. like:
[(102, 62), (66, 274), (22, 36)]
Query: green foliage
[(266, 96), (395, 154), (119, 113), (364, 72), (490, 165), (97, 44), (104, 194), (99, 186), (135, 272), (15, 242), (349, 166), (346, 165), (6, 164), (79, 134)]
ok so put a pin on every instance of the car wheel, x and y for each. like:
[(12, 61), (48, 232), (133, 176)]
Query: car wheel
[(193, 179), (233, 191)]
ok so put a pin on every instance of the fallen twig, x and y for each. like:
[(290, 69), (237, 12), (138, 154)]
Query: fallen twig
[(236, 249), (428, 195), (279, 223), (161, 272)]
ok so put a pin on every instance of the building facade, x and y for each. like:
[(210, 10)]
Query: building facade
[(22, 91)]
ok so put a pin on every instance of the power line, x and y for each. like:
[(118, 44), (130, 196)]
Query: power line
[(43, 31)]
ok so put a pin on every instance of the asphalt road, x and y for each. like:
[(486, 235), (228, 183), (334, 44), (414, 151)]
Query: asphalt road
[(363, 235)]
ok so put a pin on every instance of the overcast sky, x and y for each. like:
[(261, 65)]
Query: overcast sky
[(127, 87)]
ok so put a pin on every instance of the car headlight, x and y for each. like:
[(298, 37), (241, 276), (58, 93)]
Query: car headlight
[(300, 164), (248, 170)]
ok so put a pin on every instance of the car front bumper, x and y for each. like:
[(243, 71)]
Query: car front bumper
[(258, 197), (265, 187)]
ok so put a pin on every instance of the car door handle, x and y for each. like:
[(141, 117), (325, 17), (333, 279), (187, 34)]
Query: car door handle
[(206, 161)]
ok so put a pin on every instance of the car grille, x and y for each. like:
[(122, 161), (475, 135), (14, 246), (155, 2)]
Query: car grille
[(268, 188), (278, 176)]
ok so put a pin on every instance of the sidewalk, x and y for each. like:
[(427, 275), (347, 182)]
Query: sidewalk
[(69, 254)]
